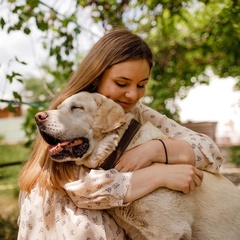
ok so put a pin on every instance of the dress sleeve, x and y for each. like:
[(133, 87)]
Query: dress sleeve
[(98, 189), (208, 155)]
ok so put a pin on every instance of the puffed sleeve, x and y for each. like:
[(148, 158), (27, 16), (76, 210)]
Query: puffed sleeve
[(208, 155), (98, 189)]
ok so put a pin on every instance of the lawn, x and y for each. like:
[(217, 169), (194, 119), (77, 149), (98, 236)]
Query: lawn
[(16, 155)]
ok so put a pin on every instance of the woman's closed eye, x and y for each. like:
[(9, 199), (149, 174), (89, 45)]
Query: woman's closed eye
[(141, 86), (121, 84), (126, 84)]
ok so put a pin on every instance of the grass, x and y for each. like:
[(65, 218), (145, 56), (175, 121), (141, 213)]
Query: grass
[(8, 227), (12, 153), (9, 189)]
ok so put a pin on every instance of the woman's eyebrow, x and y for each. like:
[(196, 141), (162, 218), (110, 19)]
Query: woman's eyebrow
[(129, 79), (145, 79)]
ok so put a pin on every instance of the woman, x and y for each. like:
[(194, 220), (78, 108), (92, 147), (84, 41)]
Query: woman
[(63, 200)]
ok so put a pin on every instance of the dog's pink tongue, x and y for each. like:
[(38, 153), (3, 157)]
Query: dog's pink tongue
[(53, 149)]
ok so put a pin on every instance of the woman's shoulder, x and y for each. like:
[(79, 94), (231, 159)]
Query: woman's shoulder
[(144, 113)]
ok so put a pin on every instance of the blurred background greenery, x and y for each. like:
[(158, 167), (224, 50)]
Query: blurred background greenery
[(12, 157)]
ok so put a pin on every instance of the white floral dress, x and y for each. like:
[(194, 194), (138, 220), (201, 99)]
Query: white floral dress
[(71, 213), (77, 211)]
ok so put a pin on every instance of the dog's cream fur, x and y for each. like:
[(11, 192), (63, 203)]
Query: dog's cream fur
[(210, 212)]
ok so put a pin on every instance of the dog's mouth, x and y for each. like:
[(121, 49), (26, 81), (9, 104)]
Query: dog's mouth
[(63, 150)]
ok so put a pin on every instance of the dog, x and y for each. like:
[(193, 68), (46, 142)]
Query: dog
[(87, 127)]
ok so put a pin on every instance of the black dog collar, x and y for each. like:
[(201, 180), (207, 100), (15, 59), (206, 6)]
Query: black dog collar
[(112, 160)]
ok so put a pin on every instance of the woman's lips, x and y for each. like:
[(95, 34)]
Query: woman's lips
[(125, 105)]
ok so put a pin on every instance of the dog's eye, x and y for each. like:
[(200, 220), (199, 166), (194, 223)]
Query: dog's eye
[(74, 107)]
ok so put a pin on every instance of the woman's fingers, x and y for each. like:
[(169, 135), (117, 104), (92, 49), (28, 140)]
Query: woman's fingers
[(199, 173), (184, 178), (196, 179)]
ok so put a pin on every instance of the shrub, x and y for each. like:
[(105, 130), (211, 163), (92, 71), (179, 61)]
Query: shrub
[(235, 155)]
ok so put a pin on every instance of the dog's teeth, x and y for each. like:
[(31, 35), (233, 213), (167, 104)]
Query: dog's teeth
[(55, 149), (75, 143), (63, 145)]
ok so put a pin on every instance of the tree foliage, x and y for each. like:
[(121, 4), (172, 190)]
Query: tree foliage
[(187, 38)]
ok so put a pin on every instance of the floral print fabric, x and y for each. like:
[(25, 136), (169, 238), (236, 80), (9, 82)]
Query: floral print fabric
[(65, 214), (208, 156)]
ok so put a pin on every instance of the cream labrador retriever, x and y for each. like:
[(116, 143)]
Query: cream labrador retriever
[(86, 128)]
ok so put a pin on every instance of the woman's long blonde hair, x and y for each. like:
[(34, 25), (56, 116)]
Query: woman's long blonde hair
[(116, 46)]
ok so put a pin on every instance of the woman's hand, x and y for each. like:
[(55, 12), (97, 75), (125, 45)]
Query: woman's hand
[(184, 178), (139, 157), (180, 177)]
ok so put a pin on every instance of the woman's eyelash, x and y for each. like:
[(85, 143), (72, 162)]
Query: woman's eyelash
[(121, 84), (125, 84)]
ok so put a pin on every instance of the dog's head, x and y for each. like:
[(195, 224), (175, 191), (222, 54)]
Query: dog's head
[(78, 125)]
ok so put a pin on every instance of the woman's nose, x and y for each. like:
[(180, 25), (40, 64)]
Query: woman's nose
[(132, 94)]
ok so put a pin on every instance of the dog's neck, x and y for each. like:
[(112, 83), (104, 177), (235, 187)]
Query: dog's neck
[(105, 145), (112, 160)]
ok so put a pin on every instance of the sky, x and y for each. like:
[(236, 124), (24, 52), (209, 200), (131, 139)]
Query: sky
[(214, 102)]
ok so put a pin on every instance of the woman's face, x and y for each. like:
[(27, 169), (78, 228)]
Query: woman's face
[(125, 82)]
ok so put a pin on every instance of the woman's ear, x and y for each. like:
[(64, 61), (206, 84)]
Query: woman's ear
[(109, 114)]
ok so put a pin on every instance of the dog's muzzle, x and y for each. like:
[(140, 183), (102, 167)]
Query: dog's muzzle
[(61, 149), (65, 150)]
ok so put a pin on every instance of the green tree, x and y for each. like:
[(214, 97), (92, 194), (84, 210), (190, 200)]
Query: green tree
[(187, 38)]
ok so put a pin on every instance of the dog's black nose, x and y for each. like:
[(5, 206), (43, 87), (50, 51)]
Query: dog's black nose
[(41, 117)]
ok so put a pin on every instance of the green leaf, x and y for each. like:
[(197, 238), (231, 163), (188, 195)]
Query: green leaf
[(27, 30), (2, 23), (19, 80), (10, 78), (17, 96), (14, 76), (24, 63), (11, 108)]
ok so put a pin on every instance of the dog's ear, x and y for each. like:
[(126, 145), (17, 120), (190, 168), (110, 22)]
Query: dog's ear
[(109, 115)]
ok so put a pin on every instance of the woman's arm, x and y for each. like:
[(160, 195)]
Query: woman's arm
[(182, 178), (100, 189), (207, 155), (178, 152)]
